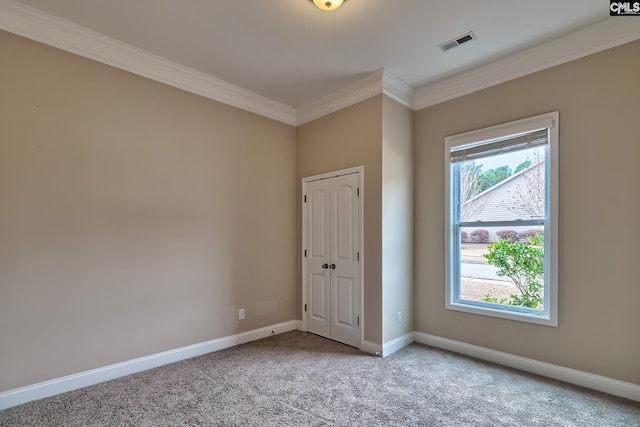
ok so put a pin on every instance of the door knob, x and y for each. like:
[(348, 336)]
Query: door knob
[(325, 266), (332, 266)]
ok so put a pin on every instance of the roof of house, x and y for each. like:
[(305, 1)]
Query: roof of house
[(521, 196)]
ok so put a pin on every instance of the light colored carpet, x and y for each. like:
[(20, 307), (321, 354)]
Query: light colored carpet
[(301, 379)]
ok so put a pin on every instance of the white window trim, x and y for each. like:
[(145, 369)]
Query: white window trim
[(548, 120)]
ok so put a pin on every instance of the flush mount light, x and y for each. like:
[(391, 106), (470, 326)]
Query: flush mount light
[(327, 5)]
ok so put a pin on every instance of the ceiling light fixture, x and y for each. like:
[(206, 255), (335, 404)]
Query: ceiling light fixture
[(327, 5)]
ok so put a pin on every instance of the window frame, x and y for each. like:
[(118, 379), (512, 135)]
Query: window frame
[(549, 315)]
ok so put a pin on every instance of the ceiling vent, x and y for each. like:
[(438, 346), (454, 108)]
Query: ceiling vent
[(457, 41)]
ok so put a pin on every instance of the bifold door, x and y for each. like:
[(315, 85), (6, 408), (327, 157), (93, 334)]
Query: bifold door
[(332, 264)]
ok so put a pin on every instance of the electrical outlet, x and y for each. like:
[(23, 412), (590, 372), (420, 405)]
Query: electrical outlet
[(399, 317), (241, 314)]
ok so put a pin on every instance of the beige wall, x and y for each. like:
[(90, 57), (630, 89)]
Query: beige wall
[(137, 218), (134, 217), (598, 98), (397, 219), (350, 137)]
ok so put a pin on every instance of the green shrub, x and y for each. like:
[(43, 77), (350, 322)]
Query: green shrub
[(523, 263), (524, 235)]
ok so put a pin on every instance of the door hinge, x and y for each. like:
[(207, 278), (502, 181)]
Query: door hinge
[(305, 253), (305, 198), (305, 307), (358, 321), (358, 256), (358, 191)]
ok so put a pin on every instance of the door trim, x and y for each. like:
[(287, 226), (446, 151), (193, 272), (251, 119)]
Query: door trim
[(360, 171)]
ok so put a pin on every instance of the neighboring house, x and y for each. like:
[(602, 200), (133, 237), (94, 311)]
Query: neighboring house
[(521, 196)]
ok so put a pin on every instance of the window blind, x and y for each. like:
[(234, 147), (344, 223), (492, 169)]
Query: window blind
[(522, 141)]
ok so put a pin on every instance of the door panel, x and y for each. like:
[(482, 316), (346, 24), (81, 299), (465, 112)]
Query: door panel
[(319, 310), (343, 210), (318, 223), (344, 290)]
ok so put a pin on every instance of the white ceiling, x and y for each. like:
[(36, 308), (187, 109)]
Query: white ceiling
[(291, 52)]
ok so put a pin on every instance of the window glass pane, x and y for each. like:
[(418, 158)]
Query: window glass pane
[(503, 187), (503, 265)]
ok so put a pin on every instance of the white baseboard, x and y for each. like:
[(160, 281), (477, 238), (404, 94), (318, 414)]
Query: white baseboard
[(572, 376), (397, 344), (83, 379)]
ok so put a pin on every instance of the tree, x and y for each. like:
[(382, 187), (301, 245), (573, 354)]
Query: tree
[(522, 166), (469, 180), (523, 263), (493, 176), (469, 188)]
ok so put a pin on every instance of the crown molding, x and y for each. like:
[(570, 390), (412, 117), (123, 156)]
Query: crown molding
[(380, 81), (31, 23), (398, 90), (353, 93), (39, 26), (605, 35)]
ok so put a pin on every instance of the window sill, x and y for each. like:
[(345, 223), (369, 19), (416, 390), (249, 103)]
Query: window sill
[(539, 319)]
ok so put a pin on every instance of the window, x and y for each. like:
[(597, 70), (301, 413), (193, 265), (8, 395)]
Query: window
[(501, 212)]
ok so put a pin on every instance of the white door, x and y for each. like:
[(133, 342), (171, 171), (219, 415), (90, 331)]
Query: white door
[(332, 265)]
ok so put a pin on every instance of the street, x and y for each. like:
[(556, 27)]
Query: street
[(476, 270)]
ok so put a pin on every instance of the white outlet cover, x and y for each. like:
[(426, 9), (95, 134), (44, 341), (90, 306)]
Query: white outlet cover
[(241, 314)]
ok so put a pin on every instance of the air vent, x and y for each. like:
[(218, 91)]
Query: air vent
[(457, 41)]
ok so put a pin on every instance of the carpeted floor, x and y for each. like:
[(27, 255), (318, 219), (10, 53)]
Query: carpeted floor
[(301, 379)]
